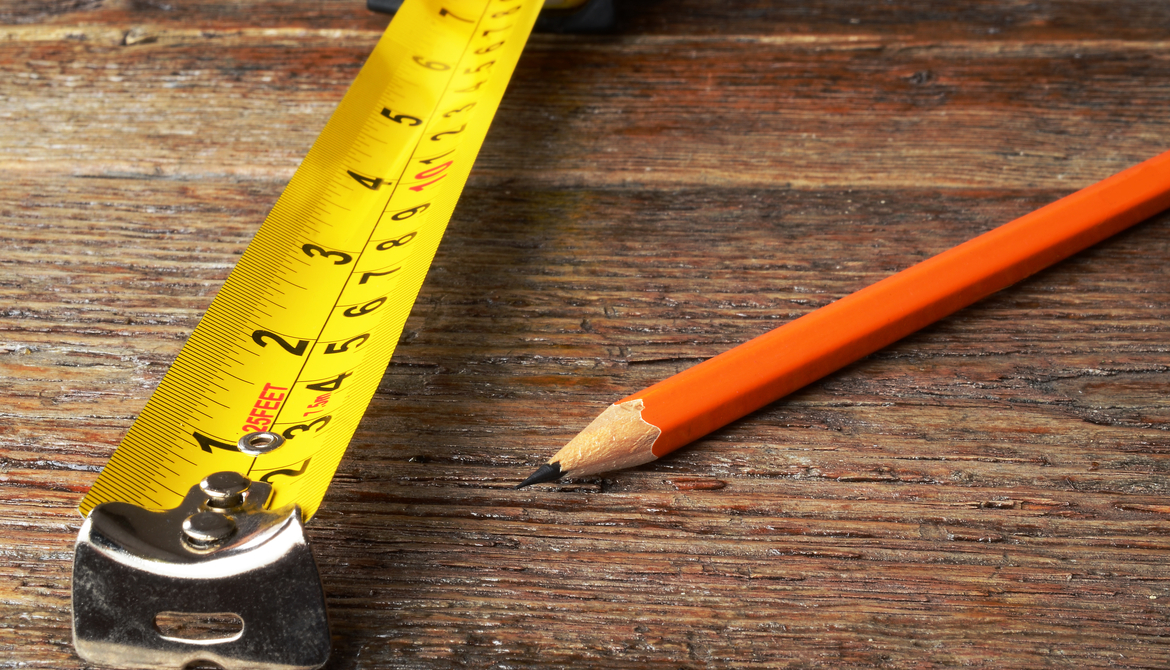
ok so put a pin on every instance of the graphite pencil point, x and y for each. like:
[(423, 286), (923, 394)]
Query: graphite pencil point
[(549, 472)]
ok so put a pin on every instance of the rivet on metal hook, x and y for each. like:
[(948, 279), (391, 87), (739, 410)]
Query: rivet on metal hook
[(225, 490), (203, 530)]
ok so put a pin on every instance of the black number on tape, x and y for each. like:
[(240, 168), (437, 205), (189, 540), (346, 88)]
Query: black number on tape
[(404, 119), (367, 276), (366, 308), (469, 89), (330, 385), (288, 472), (407, 213), (390, 244), (342, 257), (436, 136), (296, 350), (432, 64), (372, 183), (206, 443), (481, 67), (429, 161), (464, 108), (446, 12), (291, 432), (358, 341)]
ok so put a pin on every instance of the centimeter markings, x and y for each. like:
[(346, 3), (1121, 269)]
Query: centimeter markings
[(299, 336)]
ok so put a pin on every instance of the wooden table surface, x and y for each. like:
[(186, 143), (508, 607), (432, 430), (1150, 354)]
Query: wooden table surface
[(990, 492)]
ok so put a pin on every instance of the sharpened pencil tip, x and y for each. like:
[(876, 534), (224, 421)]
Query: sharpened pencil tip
[(549, 472)]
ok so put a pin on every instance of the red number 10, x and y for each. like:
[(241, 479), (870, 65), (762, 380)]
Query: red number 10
[(431, 172)]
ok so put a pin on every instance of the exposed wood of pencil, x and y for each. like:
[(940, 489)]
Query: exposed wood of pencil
[(691, 404)]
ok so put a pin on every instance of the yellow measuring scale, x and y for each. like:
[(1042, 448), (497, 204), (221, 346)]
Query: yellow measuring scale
[(198, 514), (297, 340)]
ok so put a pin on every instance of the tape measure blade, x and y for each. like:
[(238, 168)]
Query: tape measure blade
[(488, 101), (299, 336)]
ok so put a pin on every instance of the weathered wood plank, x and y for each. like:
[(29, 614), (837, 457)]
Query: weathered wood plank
[(933, 407), (991, 20), (868, 113)]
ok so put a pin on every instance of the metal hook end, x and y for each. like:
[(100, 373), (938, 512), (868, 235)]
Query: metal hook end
[(218, 556)]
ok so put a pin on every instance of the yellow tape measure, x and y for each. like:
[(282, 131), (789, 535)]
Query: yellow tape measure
[(298, 338)]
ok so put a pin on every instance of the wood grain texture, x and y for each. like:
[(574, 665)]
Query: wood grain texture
[(990, 492)]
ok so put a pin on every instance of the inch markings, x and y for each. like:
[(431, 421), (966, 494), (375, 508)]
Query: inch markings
[(349, 243)]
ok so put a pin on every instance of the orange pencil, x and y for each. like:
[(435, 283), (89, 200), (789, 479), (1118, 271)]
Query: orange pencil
[(655, 421)]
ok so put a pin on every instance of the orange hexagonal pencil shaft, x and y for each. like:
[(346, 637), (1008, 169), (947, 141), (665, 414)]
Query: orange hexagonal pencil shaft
[(683, 408)]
